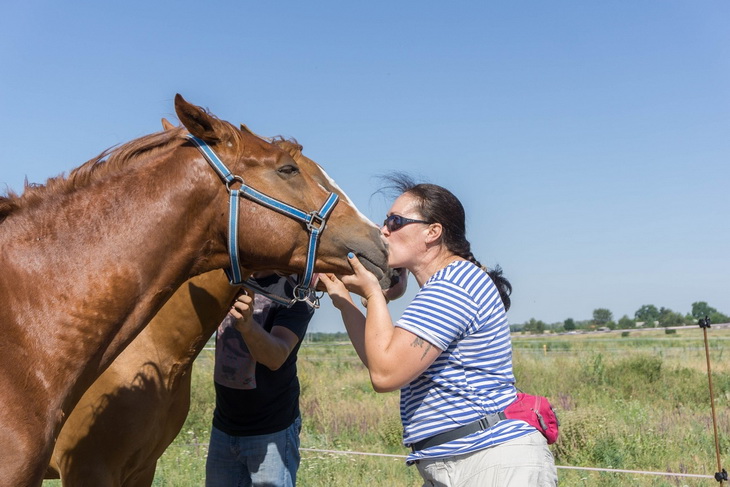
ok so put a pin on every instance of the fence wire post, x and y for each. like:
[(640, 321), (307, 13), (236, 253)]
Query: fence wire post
[(721, 473)]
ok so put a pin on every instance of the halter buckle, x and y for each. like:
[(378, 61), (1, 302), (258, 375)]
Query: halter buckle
[(315, 221)]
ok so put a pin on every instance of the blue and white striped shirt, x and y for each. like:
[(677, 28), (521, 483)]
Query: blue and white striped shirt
[(460, 311)]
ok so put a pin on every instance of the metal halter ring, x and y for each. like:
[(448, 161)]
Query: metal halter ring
[(233, 179)]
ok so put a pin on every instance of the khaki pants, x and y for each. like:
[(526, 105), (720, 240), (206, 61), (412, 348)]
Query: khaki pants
[(524, 462)]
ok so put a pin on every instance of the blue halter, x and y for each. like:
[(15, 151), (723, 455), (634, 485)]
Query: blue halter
[(314, 220)]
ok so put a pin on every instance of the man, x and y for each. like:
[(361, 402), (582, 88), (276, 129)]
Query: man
[(256, 424)]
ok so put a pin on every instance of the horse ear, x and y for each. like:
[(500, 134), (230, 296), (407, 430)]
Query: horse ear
[(198, 121), (166, 125), (244, 128)]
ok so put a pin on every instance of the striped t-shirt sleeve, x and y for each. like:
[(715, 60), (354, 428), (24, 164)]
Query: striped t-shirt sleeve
[(440, 313)]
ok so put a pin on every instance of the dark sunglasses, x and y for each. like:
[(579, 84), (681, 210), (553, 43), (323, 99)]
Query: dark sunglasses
[(396, 222)]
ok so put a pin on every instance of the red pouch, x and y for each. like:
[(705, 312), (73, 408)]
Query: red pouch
[(536, 411)]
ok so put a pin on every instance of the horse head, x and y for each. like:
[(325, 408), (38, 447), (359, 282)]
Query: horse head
[(395, 284), (269, 169)]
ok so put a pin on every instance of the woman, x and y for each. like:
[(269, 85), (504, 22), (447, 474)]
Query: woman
[(450, 353)]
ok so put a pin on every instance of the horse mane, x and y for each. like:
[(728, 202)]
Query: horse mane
[(8, 204), (111, 161), (108, 162), (290, 145)]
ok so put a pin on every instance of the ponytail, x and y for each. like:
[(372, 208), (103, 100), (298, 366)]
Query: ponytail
[(503, 285)]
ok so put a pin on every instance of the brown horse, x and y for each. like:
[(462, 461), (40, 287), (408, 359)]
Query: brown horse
[(88, 260), (136, 408)]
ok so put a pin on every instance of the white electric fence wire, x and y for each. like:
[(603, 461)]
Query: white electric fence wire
[(611, 470), (592, 469)]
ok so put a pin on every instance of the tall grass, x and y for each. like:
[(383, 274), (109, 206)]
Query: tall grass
[(632, 403), (340, 412)]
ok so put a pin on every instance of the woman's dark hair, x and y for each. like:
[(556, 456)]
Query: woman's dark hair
[(437, 204)]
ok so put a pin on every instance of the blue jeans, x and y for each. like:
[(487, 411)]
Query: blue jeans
[(262, 460)]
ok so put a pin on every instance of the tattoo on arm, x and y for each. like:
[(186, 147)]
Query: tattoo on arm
[(419, 342)]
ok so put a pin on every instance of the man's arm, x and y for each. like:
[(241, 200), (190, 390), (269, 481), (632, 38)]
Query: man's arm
[(269, 349)]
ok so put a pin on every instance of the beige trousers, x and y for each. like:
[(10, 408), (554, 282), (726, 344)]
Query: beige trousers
[(524, 462)]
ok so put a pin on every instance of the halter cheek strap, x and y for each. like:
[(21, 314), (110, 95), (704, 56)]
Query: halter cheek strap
[(315, 222)]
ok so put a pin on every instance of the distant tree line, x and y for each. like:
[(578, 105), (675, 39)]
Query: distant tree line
[(322, 337), (647, 316)]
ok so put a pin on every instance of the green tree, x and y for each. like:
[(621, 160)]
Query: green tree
[(667, 317), (700, 309), (718, 317), (602, 316), (534, 326), (625, 323), (648, 313), (569, 324), (585, 325)]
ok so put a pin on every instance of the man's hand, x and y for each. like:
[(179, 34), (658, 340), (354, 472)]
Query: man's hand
[(242, 310)]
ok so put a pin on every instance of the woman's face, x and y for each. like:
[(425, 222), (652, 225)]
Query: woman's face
[(407, 243)]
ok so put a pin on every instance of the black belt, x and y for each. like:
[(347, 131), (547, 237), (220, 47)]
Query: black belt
[(486, 422)]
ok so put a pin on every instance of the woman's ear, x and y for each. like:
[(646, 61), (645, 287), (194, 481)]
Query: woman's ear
[(434, 232)]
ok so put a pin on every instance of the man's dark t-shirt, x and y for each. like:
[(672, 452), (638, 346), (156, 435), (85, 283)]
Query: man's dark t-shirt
[(250, 398)]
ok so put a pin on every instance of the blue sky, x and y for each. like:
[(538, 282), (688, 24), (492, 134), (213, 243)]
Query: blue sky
[(588, 141)]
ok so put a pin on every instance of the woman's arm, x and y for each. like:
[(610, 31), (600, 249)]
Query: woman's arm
[(393, 356), (352, 317), (396, 357)]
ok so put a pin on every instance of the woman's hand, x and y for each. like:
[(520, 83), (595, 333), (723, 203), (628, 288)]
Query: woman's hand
[(336, 290), (242, 310), (362, 282)]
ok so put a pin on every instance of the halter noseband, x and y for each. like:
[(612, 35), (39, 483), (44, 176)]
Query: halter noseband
[(315, 222)]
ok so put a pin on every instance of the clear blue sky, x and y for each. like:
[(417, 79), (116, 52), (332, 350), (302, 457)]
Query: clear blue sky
[(588, 141)]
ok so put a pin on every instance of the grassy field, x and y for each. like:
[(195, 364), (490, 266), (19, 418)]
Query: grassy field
[(637, 402)]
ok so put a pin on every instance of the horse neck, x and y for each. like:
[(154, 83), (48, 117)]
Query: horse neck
[(181, 242), (144, 233)]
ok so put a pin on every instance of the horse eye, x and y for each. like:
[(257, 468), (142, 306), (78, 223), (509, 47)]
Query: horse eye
[(288, 170)]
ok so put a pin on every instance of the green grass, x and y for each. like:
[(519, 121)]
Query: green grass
[(638, 402)]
